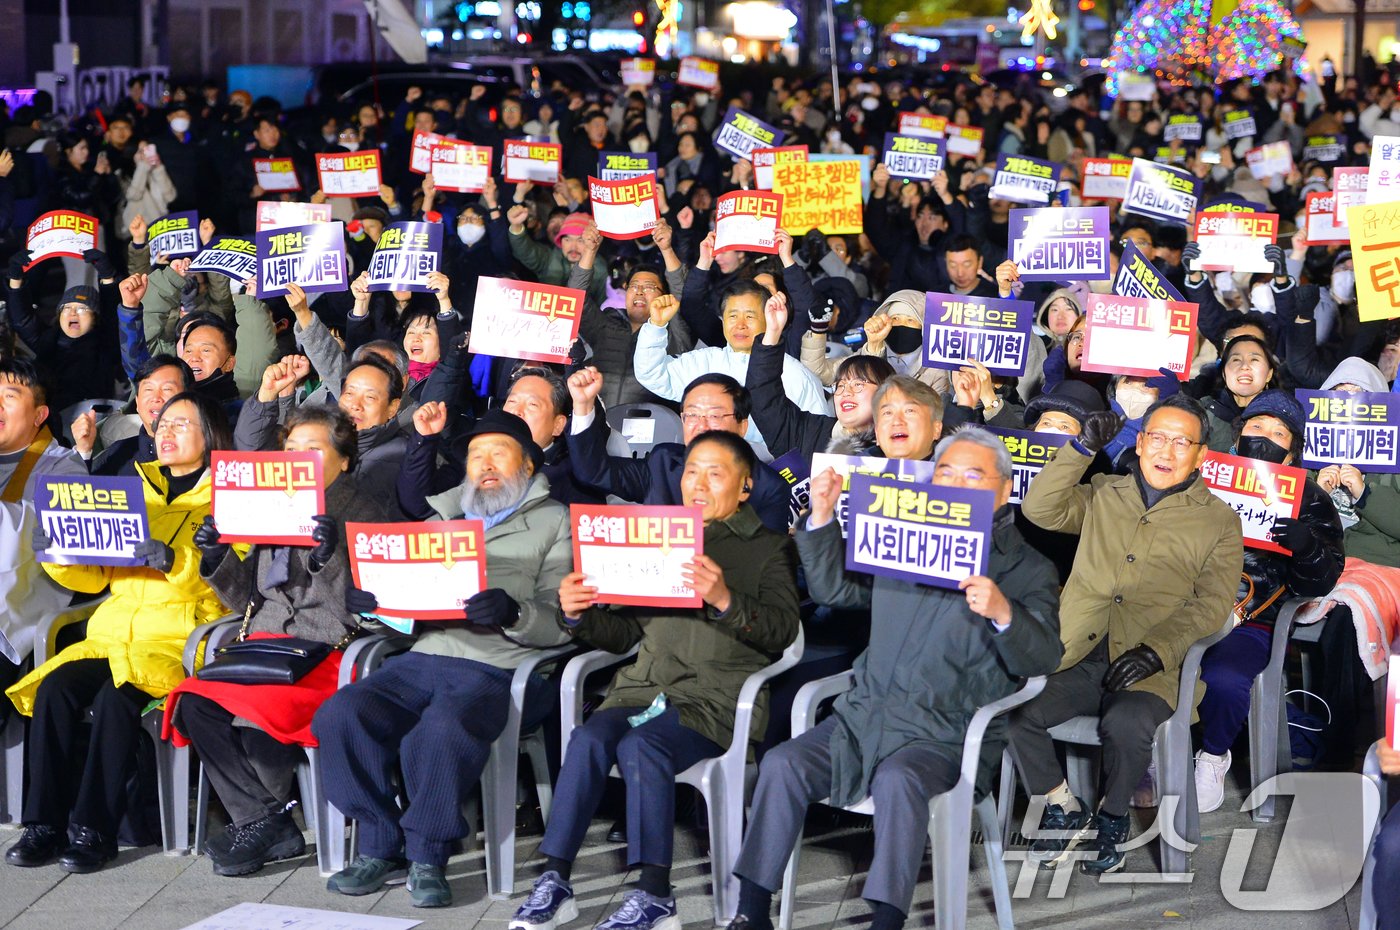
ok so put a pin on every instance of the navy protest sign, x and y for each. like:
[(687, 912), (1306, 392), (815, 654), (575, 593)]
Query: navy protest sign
[(960, 328), (925, 533)]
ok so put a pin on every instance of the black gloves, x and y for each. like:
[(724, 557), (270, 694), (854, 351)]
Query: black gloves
[(17, 263), (206, 537), (1274, 254), (358, 601), (492, 607), (1305, 301), (155, 554), (820, 317), (326, 537), (38, 538), (1166, 383), (1099, 429), (1293, 535), (101, 263), (1190, 252), (1132, 667), (814, 246)]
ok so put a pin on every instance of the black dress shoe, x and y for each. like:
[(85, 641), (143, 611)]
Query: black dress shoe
[(37, 846), (89, 852), (617, 833)]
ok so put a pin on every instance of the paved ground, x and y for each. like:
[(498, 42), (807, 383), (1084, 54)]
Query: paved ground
[(150, 891)]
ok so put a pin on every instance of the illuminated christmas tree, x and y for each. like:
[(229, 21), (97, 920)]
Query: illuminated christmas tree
[(1219, 39)]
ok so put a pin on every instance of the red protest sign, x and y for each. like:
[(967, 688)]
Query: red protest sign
[(918, 124), (764, 159), (748, 221), (267, 497), (624, 209), (276, 214), (531, 161), (276, 174), (1323, 228), (635, 554), (460, 166), (419, 571), (698, 72), (349, 174), (963, 140), (60, 232), (1260, 492), (1235, 241), (1105, 178), (420, 158), (1349, 184), (517, 319), (1137, 336)]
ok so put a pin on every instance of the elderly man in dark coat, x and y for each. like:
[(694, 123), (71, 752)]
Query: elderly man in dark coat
[(935, 656)]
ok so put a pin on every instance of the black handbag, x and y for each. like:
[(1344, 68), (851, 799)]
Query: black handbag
[(280, 661)]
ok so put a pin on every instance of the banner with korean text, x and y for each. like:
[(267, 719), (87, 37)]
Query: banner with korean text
[(460, 167), (1105, 178), (620, 166), (764, 160), (1260, 492), (1375, 254), (698, 72), (918, 158), (64, 233), (1235, 241), (311, 257), (848, 466), (795, 469), (229, 256), (1022, 179), (990, 330), (637, 72), (531, 161), (175, 235), (276, 175), (1361, 429), (624, 209), (1349, 184), (1273, 159), (823, 195), (349, 174), (420, 159), (1238, 124), (1162, 192), (278, 214), (1183, 126), (739, 133), (267, 497), (924, 533), (419, 571), (1030, 452), (1137, 336), (1323, 228), (91, 520), (1137, 277), (635, 554), (1060, 243), (404, 257), (517, 319), (922, 124), (1383, 180), (963, 140), (748, 221)]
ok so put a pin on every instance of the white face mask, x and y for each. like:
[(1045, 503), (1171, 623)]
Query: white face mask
[(1053, 429), (1134, 399), (834, 136), (1101, 287), (869, 103), (639, 144), (702, 99), (1344, 285), (1262, 298), (1224, 282), (180, 124), (470, 233)]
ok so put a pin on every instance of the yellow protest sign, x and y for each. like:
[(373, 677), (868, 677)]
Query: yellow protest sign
[(1375, 254), (821, 195)]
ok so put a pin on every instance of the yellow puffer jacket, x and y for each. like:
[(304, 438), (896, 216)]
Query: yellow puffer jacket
[(142, 627)]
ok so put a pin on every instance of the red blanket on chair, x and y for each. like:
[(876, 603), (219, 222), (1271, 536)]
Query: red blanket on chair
[(1373, 594)]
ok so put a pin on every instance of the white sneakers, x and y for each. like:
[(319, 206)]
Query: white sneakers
[(1210, 780)]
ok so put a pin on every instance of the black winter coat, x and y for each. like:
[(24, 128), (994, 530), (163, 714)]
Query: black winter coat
[(1311, 572)]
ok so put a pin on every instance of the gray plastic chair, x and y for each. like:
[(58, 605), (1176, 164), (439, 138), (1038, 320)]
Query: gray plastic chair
[(949, 814), (106, 409), (1171, 751), (724, 781), (665, 426), (1371, 769), (1270, 751), (12, 771)]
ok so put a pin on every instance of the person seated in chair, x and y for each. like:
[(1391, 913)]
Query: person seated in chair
[(434, 711), (675, 705), (935, 657)]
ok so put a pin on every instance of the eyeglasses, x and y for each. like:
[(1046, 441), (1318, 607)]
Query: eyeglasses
[(709, 417), (853, 386), (80, 308), (1075, 338), (645, 288), (178, 427), (1156, 441)]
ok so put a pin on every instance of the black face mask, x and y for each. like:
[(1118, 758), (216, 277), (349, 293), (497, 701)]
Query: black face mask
[(1261, 448), (904, 339)]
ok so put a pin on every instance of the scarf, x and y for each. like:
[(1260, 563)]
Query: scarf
[(418, 371)]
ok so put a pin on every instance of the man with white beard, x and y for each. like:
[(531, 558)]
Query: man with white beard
[(435, 710)]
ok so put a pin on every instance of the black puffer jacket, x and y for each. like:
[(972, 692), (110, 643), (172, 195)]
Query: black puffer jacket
[(1311, 572)]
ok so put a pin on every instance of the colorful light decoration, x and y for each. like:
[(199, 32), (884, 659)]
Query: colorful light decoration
[(1041, 15), (1172, 39), (667, 27)]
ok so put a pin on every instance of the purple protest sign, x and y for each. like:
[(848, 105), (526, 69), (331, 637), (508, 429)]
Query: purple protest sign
[(1060, 244), (311, 257), (1137, 277), (1024, 179), (925, 533), (91, 520), (1030, 452), (1351, 429), (918, 158), (1163, 192), (794, 468), (848, 466), (740, 133), (991, 330)]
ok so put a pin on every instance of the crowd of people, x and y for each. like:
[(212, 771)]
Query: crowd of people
[(1116, 561)]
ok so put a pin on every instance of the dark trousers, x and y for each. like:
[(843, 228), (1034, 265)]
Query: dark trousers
[(1229, 669), (65, 787), (1386, 877), (649, 756), (250, 771), (798, 773), (435, 718), (1128, 721)]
